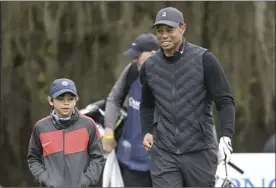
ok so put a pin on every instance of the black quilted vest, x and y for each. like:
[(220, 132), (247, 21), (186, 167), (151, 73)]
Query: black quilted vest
[(184, 109)]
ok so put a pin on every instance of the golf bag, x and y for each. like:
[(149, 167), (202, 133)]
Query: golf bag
[(96, 111)]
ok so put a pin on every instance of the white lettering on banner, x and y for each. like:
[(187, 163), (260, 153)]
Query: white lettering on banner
[(259, 170), (133, 103)]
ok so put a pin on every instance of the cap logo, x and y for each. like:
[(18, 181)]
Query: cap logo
[(64, 83), (164, 14), (133, 44)]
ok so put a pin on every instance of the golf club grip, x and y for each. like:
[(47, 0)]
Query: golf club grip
[(235, 167)]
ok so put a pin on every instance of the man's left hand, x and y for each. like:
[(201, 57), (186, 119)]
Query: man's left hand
[(225, 150)]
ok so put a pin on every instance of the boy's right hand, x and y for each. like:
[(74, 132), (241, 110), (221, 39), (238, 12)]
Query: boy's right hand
[(108, 140), (148, 141), (44, 180)]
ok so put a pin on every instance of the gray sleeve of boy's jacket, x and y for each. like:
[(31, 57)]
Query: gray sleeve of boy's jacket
[(116, 99), (35, 154)]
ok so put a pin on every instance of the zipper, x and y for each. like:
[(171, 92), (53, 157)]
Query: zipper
[(177, 143), (64, 159), (173, 104)]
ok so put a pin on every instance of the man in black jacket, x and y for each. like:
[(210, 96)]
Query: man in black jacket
[(179, 84)]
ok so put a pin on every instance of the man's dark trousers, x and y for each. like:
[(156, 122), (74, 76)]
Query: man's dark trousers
[(133, 178), (195, 169)]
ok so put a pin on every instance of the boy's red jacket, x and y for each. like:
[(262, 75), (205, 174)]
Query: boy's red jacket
[(66, 157)]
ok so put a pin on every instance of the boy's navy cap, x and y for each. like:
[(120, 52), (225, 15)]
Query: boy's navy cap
[(169, 16), (143, 43), (61, 86)]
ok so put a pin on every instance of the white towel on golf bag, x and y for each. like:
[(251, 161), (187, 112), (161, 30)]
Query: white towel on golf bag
[(112, 176)]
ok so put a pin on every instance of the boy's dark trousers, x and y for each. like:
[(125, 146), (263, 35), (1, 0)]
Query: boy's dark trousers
[(195, 169), (134, 178)]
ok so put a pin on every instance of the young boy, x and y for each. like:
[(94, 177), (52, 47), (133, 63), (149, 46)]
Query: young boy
[(64, 148)]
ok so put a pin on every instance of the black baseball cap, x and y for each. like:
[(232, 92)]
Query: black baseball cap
[(62, 85), (143, 43), (169, 16)]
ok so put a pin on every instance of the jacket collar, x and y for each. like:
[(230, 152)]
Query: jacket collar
[(63, 123), (182, 48)]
